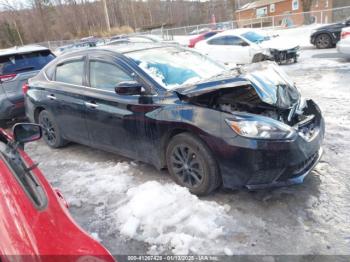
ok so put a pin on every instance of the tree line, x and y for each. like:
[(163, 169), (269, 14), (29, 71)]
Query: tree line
[(46, 20)]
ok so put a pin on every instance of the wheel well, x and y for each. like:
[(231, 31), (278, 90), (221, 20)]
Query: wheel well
[(325, 33), (37, 112), (165, 141)]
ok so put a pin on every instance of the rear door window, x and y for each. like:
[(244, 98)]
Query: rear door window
[(71, 72), (19, 63)]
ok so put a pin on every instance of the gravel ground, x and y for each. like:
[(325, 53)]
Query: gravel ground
[(312, 218)]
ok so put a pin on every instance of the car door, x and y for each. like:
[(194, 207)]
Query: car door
[(114, 121), (229, 49), (66, 99)]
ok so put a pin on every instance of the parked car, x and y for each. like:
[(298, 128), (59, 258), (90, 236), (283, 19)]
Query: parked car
[(343, 45), (139, 39), (17, 65), (244, 46), (34, 217), (193, 41), (176, 108), (200, 31), (83, 43), (328, 36)]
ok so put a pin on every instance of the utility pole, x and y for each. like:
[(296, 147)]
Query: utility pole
[(18, 33), (106, 15)]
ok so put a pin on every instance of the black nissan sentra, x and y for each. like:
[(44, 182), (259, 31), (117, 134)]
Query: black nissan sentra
[(174, 108)]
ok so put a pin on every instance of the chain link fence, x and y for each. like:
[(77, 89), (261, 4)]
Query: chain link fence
[(288, 20)]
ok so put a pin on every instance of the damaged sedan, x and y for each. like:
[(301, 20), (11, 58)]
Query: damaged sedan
[(244, 46), (175, 108)]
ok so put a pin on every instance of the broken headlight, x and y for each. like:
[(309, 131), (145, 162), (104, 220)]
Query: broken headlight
[(253, 128)]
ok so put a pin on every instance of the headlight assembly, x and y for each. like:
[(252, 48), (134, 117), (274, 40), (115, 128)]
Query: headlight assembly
[(252, 128)]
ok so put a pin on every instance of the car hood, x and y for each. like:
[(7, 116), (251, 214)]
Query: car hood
[(270, 82), (278, 43), (331, 26)]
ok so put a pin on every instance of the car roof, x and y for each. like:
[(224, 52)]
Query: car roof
[(123, 48), (132, 47), (22, 49)]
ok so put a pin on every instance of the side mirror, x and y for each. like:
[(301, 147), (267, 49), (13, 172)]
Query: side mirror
[(347, 22), (26, 132), (129, 88)]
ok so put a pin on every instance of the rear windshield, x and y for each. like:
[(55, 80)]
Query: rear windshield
[(18, 63)]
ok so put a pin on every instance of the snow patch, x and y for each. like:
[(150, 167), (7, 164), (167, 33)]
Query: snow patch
[(94, 184), (169, 215)]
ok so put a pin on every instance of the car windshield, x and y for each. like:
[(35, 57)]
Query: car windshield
[(254, 37), (19, 63), (172, 67)]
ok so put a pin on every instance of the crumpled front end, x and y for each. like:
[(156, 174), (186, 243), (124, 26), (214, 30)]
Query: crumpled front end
[(285, 56), (257, 163), (270, 135)]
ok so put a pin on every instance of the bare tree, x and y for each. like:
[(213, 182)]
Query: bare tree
[(306, 4)]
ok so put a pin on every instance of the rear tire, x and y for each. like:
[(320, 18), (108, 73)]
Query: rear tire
[(51, 132), (323, 41), (192, 165)]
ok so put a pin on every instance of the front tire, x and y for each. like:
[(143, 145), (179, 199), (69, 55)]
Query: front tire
[(51, 132), (192, 165), (323, 41)]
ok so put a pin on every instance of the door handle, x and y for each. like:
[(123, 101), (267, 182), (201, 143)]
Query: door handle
[(91, 104), (51, 97)]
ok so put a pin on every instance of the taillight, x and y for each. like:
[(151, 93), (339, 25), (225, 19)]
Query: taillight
[(345, 34), (8, 77), (25, 88)]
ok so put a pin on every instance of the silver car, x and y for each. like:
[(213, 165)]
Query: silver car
[(17, 65)]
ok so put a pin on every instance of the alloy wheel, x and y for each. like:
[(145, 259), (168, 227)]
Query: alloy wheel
[(187, 166), (323, 41), (48, 130)]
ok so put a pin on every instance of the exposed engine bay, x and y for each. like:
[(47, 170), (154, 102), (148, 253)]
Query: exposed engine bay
[(262, 89), (245, 99)]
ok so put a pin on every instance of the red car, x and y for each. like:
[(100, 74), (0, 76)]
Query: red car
[(206, 35), (35, 222)]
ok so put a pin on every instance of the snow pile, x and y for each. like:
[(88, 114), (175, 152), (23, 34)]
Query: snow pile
[(96, 184), (169, 216)]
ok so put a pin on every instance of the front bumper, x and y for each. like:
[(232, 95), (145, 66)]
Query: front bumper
[(296, 179), (255, 163), (313, 39), (285, 56)]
